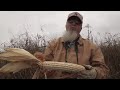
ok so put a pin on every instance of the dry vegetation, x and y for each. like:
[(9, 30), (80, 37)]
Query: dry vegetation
[(111, 50), (110, 47), (29, 43)]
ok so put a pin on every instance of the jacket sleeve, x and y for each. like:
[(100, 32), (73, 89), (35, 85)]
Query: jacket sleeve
[(97, 61), (49, 51), (49, 56)]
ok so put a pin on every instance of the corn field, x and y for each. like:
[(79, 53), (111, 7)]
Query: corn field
[(110, 47)]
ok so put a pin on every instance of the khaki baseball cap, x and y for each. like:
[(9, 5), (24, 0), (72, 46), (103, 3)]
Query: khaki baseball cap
[(77, 15)]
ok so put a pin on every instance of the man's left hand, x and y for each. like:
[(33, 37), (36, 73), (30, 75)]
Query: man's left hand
[(89, 73)]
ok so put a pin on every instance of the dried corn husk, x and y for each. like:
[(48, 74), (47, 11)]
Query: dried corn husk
[(16, 54), (14, 67)]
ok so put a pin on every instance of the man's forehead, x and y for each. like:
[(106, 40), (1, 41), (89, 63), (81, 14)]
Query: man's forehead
[(74, 18)]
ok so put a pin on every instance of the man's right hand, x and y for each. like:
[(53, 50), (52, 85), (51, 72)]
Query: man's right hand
[(39, 56)]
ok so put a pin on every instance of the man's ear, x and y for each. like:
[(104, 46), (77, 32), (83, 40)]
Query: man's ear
[(81, 26)]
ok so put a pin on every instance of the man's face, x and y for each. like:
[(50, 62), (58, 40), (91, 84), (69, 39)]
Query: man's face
[(74, 24), (73, 28)]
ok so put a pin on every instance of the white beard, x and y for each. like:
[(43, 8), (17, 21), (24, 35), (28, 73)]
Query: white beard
[(69, 36)]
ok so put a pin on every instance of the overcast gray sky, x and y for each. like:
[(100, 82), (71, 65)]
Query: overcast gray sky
[(53, 22)]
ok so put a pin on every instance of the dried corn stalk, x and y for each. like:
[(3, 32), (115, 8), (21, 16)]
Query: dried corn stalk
[(21, 59)]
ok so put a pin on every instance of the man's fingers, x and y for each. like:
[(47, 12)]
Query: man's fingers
[(88, 67), (39, 55)]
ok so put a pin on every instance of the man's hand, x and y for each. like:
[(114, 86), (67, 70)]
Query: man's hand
[(40, 56), (89, 73)]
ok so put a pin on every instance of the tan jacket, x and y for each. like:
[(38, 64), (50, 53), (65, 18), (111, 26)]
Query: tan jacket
[(88, 53)]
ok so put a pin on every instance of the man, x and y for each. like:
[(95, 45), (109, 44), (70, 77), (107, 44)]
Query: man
[(72, 48)]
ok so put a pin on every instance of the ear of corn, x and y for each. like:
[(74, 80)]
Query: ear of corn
[(62, 66), (21, 59)]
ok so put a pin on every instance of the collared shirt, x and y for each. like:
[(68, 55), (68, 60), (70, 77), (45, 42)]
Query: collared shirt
[(88, 53)]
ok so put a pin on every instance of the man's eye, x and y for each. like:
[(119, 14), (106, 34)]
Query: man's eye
[(70, 21), (75, 22)]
